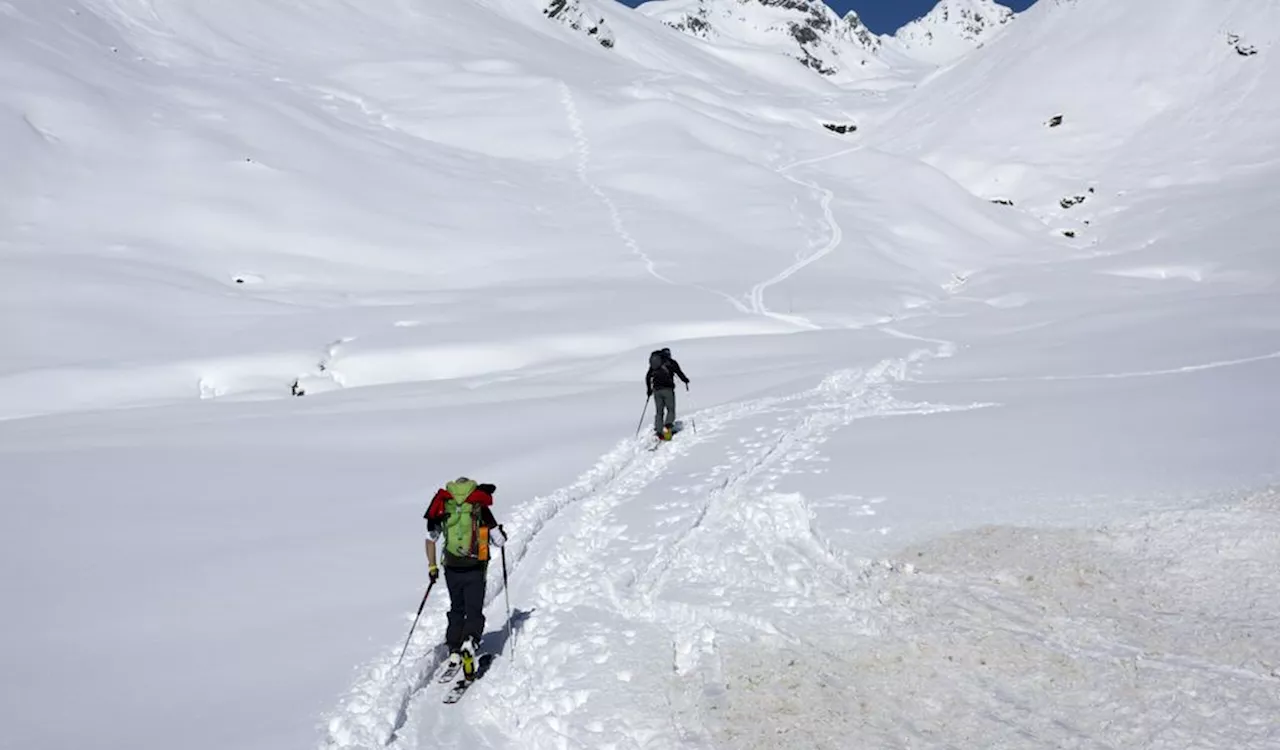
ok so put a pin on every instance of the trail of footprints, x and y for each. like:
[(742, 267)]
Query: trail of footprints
[(604, 599)]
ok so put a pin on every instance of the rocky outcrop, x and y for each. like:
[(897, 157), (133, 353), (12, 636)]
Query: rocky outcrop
[(577, 16), (1243, 49)]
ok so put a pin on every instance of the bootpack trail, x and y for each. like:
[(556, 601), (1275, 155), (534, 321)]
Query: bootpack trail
[(647, 557)]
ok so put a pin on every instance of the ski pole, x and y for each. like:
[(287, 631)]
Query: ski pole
[(415, 623), (506, 588), (693, 419), (642, 411)]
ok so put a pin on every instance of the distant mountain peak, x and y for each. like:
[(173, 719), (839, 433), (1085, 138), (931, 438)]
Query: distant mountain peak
[(952, 29), (860, 31), (807, 30)]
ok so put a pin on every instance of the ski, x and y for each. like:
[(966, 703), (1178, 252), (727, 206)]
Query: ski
[(455, 693), (450, 671)]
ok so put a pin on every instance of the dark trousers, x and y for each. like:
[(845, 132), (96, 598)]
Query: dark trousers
[(466, 604), (664, 408)]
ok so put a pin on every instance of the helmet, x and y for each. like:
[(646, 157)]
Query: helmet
[(666, 351)]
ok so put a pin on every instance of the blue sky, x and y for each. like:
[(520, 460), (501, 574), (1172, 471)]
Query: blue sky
[(885, 16)]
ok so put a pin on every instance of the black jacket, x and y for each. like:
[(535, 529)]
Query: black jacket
[(665, 377)]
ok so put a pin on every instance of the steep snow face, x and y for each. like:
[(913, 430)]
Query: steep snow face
[(952, 29), (841, 49)]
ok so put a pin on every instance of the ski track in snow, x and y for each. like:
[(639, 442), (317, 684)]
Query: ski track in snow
[(380, 709), (375, 711), (582, 149), (756, 295), (583, 152), (606, 581)]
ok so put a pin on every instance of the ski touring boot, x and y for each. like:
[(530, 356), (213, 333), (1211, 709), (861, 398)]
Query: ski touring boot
[(470, 658)]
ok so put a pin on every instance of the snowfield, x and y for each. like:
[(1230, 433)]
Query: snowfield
[(980, 445)]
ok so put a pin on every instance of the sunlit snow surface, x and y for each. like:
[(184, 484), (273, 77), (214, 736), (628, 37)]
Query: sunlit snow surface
[(949, 477)]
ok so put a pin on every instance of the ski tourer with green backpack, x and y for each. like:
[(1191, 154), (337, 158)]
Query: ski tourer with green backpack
[(460, 515)]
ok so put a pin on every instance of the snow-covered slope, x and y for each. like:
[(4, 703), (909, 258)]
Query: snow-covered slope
[(840, 49), (952, 29), (936, 453), (1082, 97)]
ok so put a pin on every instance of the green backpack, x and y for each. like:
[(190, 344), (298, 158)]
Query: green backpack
[(462, 527)]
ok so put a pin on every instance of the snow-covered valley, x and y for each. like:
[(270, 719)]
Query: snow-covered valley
[(979, 449)]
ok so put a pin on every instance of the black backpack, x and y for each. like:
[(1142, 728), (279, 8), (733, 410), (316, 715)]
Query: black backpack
[(658, 363)]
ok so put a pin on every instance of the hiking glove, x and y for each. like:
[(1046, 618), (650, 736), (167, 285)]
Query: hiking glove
[(433, 573), (494, 538)]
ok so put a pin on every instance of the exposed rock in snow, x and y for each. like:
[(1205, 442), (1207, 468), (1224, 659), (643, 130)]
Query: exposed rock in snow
[(1075, 200), (952, 29), (572, 14), (1242, 48), (861, 32)]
